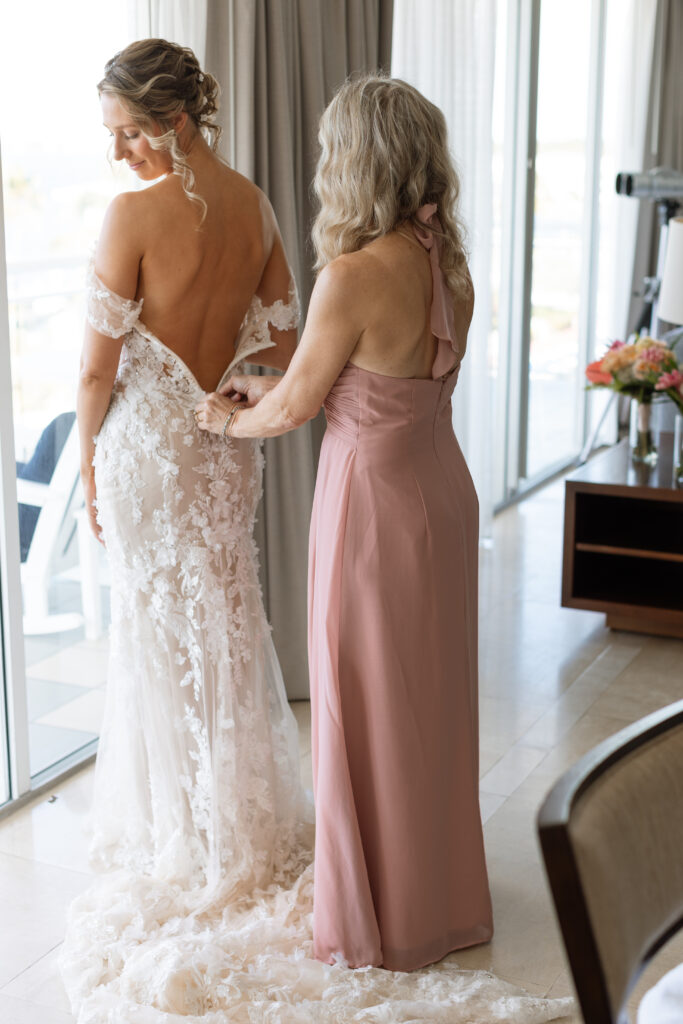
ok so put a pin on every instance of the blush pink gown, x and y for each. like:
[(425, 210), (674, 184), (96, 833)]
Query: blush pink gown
[(400, 874)]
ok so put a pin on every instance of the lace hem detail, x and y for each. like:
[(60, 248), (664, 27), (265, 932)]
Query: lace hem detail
[(130, 956)]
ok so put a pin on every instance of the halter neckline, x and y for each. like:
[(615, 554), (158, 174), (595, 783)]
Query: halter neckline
[(441, 319)]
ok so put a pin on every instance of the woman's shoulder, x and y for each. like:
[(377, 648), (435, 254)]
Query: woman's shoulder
[(156, 197), (347, 272), (120, 245), (127, 218), (346, 288), (368, 273)]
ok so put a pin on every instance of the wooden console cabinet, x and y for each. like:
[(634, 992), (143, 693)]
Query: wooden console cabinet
[(623, 541)]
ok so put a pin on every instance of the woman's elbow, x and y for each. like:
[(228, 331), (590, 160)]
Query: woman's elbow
[(293, 418), (92, 378)]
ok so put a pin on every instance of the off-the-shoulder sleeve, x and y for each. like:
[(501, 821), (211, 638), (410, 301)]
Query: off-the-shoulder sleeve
[(254, 334), (108, 312)]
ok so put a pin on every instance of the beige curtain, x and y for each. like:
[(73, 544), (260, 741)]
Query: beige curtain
[(279, 63)]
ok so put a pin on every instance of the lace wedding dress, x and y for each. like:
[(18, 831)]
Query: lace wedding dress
[(201, 828)]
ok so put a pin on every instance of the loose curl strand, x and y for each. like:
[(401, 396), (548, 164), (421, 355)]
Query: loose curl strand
[(155, 81), (384, 154)]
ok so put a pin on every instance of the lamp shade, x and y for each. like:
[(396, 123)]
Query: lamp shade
[(670, 306)]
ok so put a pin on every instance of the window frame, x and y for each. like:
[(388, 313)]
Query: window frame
[(13, 699), (511, 481)]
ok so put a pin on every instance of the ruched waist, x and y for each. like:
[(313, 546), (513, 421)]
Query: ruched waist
[(390, 412), (342, 408)]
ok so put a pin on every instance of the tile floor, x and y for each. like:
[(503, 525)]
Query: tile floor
[(65, 693), (554, 682)]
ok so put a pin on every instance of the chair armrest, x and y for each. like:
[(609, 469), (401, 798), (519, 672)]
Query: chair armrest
[(31, 493)]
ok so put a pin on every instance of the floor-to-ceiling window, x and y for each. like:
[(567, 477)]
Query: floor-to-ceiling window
[(57, 182), (534, 98), (556, 270)]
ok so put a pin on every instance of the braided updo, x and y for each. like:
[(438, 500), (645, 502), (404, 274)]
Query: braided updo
[(155, 80)]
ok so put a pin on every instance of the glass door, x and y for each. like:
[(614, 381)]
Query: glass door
[(553, 430), (57, 184), (549, 130)]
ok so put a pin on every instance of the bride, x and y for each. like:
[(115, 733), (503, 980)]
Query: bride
[(201, 829), (197, 789)]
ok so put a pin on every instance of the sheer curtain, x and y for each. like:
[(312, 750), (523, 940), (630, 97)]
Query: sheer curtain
[(180, 21), (446, 49)]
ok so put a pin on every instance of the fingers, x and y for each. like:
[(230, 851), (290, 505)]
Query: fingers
[(95, 526), (239, 383), (233, 384), (210, 413)]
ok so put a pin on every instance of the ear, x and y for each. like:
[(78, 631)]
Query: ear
[(179, 122)]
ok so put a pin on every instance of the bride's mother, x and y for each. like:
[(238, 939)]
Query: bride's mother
[(400, 875)]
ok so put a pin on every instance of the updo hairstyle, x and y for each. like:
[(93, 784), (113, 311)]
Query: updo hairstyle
[(155, 80), (384, 154)]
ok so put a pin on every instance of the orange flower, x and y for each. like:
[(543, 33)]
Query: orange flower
[(643, 367), (618, 358), (596, 375)]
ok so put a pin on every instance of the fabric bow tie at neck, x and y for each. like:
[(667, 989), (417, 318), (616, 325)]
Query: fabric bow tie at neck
[(442, 321)]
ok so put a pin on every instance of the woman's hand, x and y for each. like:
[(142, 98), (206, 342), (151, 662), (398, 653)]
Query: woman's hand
[(252, 387), (212, 412), (90, 494)]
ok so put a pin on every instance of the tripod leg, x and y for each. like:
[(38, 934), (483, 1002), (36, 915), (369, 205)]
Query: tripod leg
[(590, 443)]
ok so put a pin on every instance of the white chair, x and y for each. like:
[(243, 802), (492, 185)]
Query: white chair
[(663, 1004), (61, 508)]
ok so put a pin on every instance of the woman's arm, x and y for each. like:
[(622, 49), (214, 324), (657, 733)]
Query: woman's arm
[(333, 329), (276, 285), (117, 263)]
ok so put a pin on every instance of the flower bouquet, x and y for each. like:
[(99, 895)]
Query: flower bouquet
[(642, 368)]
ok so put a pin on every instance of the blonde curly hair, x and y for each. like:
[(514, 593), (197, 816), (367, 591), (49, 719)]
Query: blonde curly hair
[(384, 154), (155, 80)]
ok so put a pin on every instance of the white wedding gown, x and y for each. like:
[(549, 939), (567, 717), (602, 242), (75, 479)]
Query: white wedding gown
[(201, 827)]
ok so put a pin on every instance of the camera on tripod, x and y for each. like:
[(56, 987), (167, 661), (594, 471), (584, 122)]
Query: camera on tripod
[(660, 185), (664, 186)]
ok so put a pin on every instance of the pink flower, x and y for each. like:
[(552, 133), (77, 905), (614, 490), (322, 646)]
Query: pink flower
[(615, 345), (653, 355), (670, 380)]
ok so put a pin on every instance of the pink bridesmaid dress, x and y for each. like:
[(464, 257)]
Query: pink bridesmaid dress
[(400, 873)]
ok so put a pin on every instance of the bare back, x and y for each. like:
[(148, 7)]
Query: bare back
[(197, 281), (394, 304)]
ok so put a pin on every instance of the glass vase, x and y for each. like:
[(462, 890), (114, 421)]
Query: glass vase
[(641, 438), (678, 450)]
